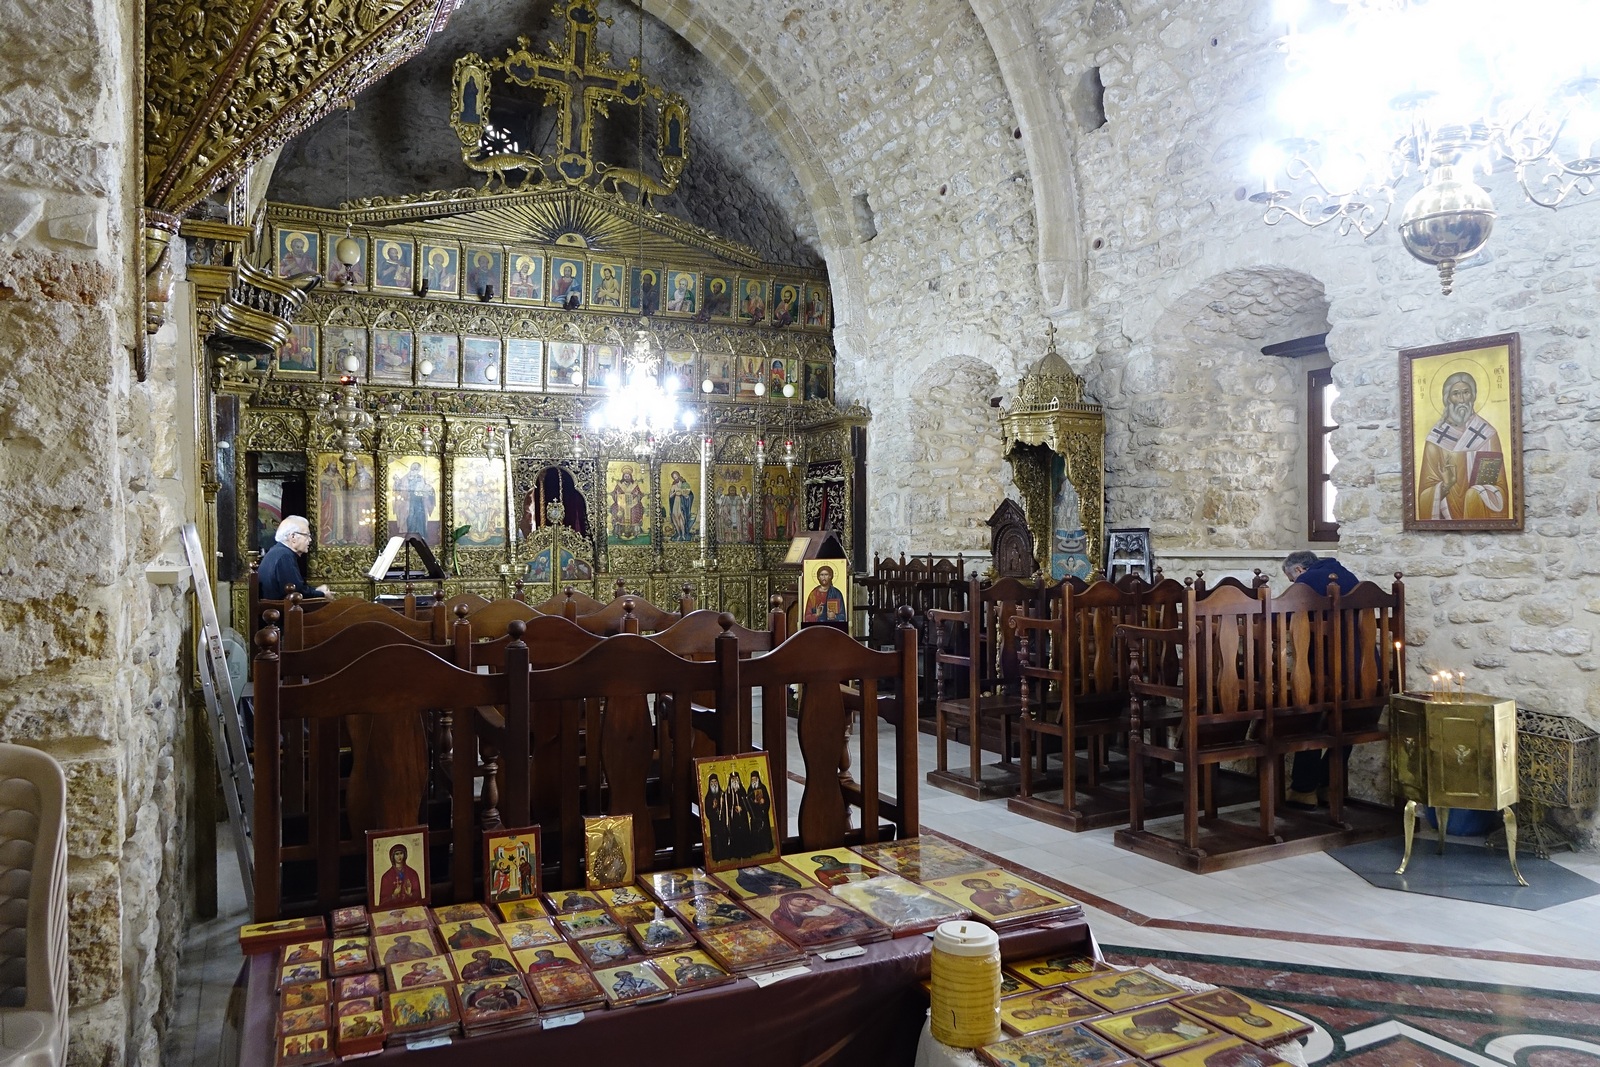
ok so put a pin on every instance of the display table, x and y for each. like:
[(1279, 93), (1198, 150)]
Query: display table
[(867, 1010)]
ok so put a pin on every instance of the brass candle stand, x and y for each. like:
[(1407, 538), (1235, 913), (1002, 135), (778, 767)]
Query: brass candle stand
[(1455, 750)]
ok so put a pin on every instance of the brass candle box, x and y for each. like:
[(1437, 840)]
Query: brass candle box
[(1454, 751)]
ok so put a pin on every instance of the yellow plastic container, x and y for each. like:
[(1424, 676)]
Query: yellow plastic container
[(966, 984)]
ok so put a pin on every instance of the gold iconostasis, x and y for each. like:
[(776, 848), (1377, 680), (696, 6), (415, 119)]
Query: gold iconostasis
[(482, 384)]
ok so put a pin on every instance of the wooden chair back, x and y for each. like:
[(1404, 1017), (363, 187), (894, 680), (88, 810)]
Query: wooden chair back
[(606, 693), (1303, 663), (387, 684), (627, 614), (492, 618), (694, 637), (1371, 628), (570, 603), (825, 663)]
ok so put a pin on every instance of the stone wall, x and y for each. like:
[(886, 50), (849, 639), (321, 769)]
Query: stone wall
[(1211, 439), (1158, 182), (943, 429), (897, 118), (88, 647)]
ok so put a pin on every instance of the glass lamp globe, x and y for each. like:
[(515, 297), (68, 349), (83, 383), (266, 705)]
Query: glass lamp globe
[(348, 250), (1449, 220)]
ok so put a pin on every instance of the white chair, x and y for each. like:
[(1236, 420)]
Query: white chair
[(33, 909)]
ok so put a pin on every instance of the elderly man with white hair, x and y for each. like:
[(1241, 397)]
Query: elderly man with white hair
[(279, 567)]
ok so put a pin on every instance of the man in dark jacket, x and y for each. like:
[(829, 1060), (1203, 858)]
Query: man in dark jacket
[(280, 567), (1309, 773), (1317, 572)]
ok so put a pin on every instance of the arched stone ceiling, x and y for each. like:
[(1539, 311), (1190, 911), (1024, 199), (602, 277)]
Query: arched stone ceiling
[(738, 184)]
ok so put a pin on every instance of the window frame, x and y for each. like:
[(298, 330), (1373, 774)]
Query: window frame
[(1318, 479)]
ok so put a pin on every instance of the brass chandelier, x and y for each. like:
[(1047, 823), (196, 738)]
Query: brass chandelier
[(1397, 92)]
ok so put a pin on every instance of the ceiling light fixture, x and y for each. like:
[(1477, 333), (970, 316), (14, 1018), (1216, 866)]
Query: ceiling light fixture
[(1400, 92)]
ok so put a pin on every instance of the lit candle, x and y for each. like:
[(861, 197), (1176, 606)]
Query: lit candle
[(1400, 665), (1446, 676), (1433, 687)]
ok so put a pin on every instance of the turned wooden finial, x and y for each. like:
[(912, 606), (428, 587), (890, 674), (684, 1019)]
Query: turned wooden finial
[(726, 621), (462, 611), (267, 637), (516, 628)]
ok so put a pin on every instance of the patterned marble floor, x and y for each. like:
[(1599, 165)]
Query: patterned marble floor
[(1383, 1020), (1390, 979)]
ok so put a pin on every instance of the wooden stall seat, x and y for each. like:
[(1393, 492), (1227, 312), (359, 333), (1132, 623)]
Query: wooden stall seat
[(693, 637), (471, 601), (1303, 668), (302, 630), (923, 583), (976, 684), (491, 618), (1214, 711), (390, 684), (1370, 626), (1073, 676), (1257, 583), (827, 665)]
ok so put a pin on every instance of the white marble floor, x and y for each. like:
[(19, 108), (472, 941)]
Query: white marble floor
[(1263, 909), (1268, 911)]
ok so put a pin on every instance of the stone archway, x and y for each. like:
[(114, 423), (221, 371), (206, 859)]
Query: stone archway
[(1208, 440), (937, 449)]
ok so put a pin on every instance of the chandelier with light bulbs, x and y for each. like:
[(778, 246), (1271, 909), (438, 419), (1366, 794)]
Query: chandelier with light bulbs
[(639, 405), (1399, 92)]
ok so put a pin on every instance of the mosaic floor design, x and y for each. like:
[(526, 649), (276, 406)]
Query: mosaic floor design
[(1379, 1020)]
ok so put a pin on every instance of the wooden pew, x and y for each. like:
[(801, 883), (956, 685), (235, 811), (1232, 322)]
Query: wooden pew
[(826, 663), (386, 683)]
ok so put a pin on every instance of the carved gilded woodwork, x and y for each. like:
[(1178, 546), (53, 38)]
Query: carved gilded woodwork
[(1052, 419), (227, 82)]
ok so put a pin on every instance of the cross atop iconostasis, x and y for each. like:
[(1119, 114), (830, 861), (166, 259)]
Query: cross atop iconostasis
[(492, 119)]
